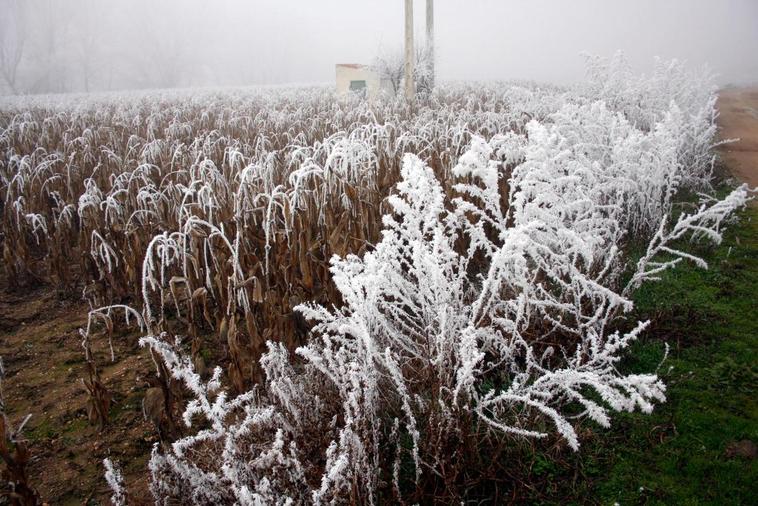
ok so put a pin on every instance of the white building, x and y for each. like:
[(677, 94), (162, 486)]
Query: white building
[(356, 78)]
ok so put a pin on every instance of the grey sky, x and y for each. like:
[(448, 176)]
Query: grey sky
[(72, 45)]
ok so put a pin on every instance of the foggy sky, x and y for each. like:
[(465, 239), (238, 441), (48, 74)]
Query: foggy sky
[(87, 45)]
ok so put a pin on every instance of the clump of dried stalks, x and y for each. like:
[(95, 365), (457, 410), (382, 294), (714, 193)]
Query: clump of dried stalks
[(17, 489)]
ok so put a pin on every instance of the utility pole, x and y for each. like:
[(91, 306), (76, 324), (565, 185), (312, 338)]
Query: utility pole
[(430, 39), (410, 91)]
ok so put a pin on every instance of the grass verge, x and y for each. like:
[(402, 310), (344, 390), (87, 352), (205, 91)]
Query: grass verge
[(695, 448)]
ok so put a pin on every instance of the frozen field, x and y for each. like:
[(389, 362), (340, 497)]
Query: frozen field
[(345, 300)]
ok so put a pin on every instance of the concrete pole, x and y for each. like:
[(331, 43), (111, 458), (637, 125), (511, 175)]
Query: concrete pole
[(410, 91), (430, 39)]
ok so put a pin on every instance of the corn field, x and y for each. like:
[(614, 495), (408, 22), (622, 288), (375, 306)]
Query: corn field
[(388, 287)]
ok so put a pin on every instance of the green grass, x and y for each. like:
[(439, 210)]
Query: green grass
[(43, 430), (677, 455)]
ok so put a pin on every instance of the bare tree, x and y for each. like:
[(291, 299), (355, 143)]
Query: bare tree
[(162, 61), (50, 34), (87, 41), (12, 39), (390, 66), (423, 71)]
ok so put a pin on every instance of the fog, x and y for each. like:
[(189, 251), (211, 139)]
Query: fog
[(89, 45)]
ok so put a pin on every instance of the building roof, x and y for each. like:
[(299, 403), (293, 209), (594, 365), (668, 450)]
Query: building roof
[(352, 65)]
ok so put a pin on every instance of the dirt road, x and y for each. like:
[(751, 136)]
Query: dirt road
[(738, 108)]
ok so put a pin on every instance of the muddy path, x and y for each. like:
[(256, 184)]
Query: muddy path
[(738, 119)]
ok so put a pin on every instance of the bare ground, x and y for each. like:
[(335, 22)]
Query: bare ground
[(738, 108), (44, 363)]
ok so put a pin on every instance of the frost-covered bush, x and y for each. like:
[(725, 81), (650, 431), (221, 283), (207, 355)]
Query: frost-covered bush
[(673, 93), (493, 310)]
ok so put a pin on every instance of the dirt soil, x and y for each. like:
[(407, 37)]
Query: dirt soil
[(738, 118), (44, 363)]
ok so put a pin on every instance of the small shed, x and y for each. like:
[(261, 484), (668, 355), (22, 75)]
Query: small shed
[(356, 78)]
